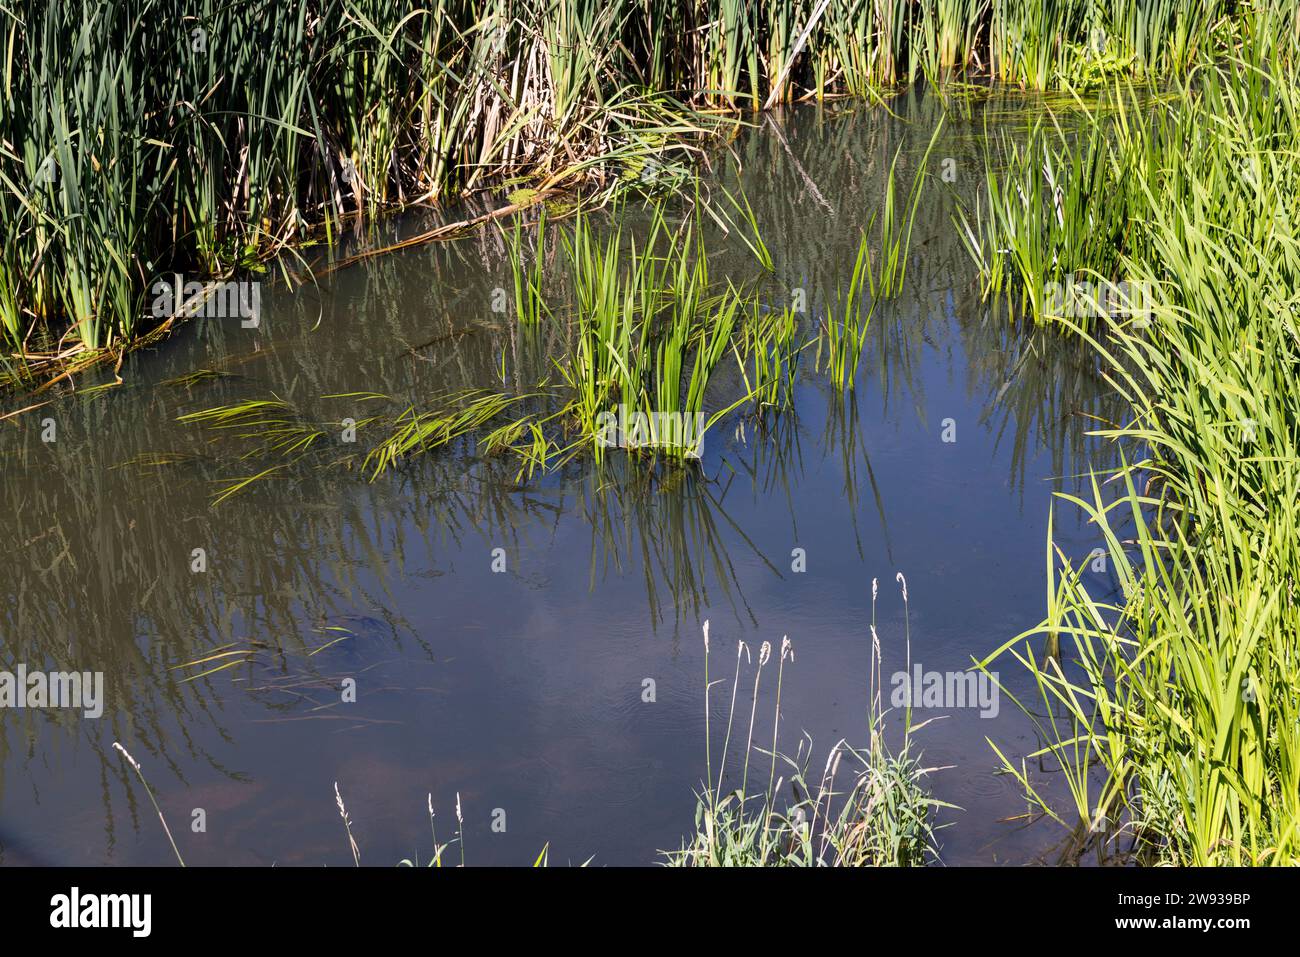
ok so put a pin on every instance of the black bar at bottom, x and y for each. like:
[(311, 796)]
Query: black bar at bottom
[(569, 906)]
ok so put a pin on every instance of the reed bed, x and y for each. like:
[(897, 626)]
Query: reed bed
[(1175, 674), (143, 139)]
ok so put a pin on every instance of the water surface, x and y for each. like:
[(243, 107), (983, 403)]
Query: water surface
[(522, 690)]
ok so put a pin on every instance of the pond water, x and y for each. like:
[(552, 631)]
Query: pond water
[(522, 691)]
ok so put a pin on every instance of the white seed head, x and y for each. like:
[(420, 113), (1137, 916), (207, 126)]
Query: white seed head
[(706, 634), (764, 653), (902, 581), (135, 764)]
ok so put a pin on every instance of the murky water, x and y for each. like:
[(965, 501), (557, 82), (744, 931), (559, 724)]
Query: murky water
[(522, 690)]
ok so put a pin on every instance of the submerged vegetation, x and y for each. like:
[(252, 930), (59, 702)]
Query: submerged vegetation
[(642, 341), (141, 140)]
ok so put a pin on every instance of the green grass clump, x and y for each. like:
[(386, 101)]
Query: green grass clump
[(1178, 679), (1054, 215), (639, 333)]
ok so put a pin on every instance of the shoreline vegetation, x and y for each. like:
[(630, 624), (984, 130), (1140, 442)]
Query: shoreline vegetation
[(143, 139), (1170, 706)]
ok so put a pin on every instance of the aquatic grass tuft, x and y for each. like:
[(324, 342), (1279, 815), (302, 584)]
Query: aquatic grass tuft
[(885, 817)]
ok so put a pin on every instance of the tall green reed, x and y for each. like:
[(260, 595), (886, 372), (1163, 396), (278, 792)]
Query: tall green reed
[(1177, 679), (143, 138)]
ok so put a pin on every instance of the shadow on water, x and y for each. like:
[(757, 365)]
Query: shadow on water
[(500, 633)]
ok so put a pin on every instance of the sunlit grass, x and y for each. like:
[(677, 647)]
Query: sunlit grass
[(882, 816), (1176, 673)]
